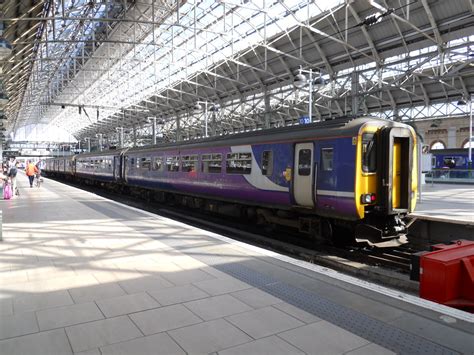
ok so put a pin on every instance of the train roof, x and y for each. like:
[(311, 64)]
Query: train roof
[(329, 128)]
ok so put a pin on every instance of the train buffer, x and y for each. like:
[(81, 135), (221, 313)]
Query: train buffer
[(447, 274)]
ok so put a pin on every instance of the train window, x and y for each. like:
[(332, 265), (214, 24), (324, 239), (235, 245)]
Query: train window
[(189, 163), (433, 162), (158, 164), (267, 163), (132, 162), (172, 163), (369, 153), (304, 162), (211, 163), (145, 163), (327, 157), (239, 163)]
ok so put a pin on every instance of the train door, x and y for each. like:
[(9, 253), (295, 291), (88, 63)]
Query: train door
[(117, 171), (396, 162), (303, 174)]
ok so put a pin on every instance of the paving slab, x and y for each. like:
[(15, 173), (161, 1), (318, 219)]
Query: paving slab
[(296, 312), (264, 322), (371, 349), (210, 336), (68, 315), (217, 307), (178, 294), (323, 338), (187, 276), (152, 344), (127, 304), (96, 292), (18, 324), (52, 342), (99, 333), (256, 298), (144, 283), (216, 287), (271, 345), (39, 301), (163, 319)]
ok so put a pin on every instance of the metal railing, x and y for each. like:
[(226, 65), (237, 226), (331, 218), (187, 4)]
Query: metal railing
[(462, 176)]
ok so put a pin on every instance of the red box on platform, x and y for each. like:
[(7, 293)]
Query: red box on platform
[(447, 275)]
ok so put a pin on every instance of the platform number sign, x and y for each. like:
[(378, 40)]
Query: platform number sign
[(305, 120)]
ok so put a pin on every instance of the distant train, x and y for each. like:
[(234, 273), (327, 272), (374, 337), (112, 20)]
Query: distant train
[(450, 158), (351, 177)]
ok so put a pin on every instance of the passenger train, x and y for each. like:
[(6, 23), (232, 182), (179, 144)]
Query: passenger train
[(354, 177)]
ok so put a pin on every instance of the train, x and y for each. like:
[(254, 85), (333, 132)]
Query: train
[(349, 178), (456, 158)]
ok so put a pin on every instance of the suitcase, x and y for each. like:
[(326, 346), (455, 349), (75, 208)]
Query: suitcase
[(7, 191)]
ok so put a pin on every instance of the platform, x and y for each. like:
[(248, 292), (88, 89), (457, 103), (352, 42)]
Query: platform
[(450, 203), (81, 274)]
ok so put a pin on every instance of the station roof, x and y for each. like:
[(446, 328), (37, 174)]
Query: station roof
[(93, 66)]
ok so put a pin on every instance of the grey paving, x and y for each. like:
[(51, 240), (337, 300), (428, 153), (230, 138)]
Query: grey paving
[(163, 319), (68, 315), (217, 307), (271, 345), (18, 324), (145, 283), (264, 322), (255, 298), (323, 338), (97, 292), (431, 330), (216, 287), (186, 277), (178, 294), (371, 349), (127, 304), (152, 344), (104, 332), (52, 342), (210, 336), (41, 301), (6, 307), (296, 312)]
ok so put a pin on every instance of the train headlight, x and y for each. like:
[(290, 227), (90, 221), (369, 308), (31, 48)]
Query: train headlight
[(366, 199)]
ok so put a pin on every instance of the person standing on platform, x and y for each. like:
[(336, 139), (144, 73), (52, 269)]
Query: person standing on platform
[(12, 175), (31, 170)]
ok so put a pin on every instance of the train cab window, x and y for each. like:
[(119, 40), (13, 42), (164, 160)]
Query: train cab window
[(304, 162), (369, 153), (145, 163), (327, 159), (189, 163), (211, 163), (172, 163), (158, 164), (239, 163), (267, 163)]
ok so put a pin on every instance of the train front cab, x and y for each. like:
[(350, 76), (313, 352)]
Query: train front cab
[(386, 182)]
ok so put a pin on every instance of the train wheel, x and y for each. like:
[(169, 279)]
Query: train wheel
[(326, 230)]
